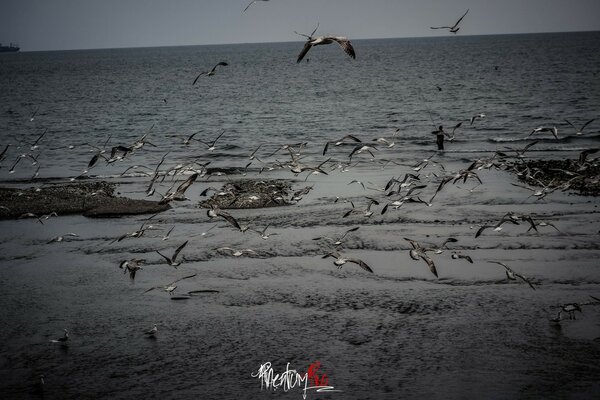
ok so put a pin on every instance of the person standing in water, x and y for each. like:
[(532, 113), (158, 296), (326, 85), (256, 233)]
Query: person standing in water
[(439, 136)]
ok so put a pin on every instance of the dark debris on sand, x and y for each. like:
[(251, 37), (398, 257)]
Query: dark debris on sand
[(244, 194), (561, 175), (93, 199)]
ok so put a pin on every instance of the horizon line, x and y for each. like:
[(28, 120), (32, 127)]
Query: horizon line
[(293, 41)]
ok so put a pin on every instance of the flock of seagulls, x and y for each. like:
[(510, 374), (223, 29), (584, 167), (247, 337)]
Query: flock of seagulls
[(427, 177)]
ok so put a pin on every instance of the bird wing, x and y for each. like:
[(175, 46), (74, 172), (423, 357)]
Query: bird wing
[(218, 137), (525, 279), (346, 45), (573, 126), (163, 256), (248, 6), (587, 123), (414, 244), (460, 19), (305, 50), (199, 75), (480, 230), (186, 184), (360, 263), (429, 262), (179, 250), (180, 279), (228, 218)]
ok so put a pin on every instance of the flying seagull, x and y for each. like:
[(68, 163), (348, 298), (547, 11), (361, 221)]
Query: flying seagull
[(417, 252), (512, 275), (255, 1), (209, 73), (169, 287), (454, 28), (172, 261), (579, 131), (340, 260), (321, 40)]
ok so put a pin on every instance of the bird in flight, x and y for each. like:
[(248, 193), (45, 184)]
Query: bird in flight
[(209, 73), (579, 131), (172, 261), (454, 28), (321, 40), (255, 1)]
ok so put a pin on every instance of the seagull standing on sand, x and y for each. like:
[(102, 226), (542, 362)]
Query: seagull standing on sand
[(454, 28), (321, 40)]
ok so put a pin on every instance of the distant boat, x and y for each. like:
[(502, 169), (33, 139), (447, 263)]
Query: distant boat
[(10, 48)]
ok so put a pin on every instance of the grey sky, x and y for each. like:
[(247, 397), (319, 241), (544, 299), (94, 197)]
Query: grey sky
[(84, 24)]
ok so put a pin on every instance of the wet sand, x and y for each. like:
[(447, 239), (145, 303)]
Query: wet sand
[(399, 332)]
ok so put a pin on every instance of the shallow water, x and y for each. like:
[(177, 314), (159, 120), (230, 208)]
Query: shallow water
[(398, 333)]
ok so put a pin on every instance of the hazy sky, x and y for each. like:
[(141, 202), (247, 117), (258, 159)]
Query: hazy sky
[(85, 24)]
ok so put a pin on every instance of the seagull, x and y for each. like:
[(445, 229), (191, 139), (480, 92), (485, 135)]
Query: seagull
[(137, 233), (579, 131), (321, 40), (476, 116), (152, 332), (340, 141), (132, 266), (367, 211), (457, 256), (215, 212), (179, 193), (169, 287), (211, 145), (542, 129), (512, 275), (570, 308), (454, 28), (263, 234), (34, 145), (255, 1), (497, 227), (340, 260), (417, 252), (61, 237), (236, 253), (173, 260), (339, 241), (63, 339), (211, 72)]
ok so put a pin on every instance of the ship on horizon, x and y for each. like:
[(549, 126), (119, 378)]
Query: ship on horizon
[(10, 48)]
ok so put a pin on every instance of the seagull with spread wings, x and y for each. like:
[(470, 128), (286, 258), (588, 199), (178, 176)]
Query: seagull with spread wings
[(322, 40), (210, 72), (172, 261), (454, 28)]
